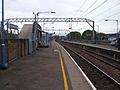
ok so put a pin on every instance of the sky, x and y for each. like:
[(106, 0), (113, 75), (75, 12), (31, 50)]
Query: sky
[(96, 10)]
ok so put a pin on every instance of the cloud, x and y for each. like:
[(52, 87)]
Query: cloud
[(63, 8)]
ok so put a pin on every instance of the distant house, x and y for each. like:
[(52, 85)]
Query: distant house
[(112, 38), (113, 35)]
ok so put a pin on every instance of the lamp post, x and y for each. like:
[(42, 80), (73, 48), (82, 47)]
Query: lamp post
[(117, 25), (44, 12), (36, 18), (4, 63), (36, 15), (98, 35)]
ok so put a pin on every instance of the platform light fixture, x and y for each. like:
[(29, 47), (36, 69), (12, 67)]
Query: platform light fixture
[(36, 14)]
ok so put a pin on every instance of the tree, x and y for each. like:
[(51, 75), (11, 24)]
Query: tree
[(88, 35), (74, 35)]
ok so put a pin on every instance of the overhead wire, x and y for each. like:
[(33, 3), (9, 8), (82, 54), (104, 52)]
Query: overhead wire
[(96, 7), (109, 16), (114, 14), (81, 6), (90, 6), (79, 10), (107, 10)]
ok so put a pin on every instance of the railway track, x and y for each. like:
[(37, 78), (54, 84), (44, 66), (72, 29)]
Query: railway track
[(111, 61), (99, 76)]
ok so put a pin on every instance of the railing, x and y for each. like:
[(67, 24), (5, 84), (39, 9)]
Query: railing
[(15, 49)]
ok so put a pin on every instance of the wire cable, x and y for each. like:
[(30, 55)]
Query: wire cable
[(96, 7), (107, 10), (90, 6), (83, 4), (114, 14), (109, 16), (80, 7)]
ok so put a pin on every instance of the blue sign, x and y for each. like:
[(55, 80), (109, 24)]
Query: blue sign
[(12, 26)]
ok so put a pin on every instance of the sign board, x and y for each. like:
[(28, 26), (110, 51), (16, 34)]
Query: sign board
[(12, 26)]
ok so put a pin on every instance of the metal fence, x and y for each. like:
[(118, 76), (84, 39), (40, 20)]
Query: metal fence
[(15, 48)]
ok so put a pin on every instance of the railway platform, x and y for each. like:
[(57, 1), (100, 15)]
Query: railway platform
[(47, 69), (108, 47)]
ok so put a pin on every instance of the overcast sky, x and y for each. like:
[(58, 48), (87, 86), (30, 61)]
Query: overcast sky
[(97, 10)]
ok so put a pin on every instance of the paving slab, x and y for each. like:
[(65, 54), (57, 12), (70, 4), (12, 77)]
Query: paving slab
[(39, 71)]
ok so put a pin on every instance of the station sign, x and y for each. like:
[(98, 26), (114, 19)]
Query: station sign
[(12, 26)]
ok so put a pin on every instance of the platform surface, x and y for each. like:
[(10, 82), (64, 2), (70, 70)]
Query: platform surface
[(42, 71), (108, 47)]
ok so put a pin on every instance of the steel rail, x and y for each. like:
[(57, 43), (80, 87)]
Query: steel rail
[(89, 53), (112, 79)]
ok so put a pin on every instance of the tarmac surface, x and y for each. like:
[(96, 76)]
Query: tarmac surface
[(43, 71), (39, 71)]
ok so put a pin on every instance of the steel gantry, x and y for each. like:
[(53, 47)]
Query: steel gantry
[(90, 22), (49, 20)]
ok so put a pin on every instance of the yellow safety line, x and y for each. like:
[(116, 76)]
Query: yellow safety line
[(63, 71)]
